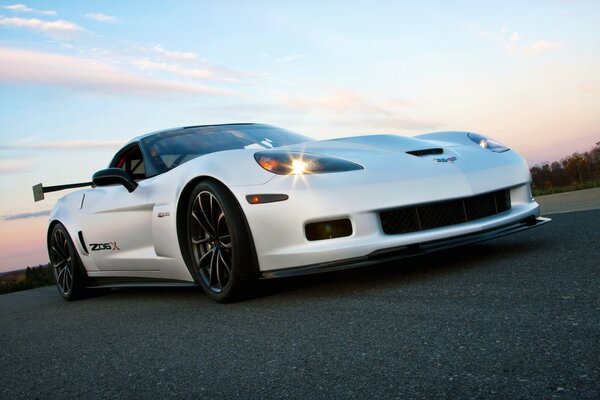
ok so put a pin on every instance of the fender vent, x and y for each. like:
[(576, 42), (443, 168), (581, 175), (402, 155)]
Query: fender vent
[(425, 152), (82, 242), (445, 213)]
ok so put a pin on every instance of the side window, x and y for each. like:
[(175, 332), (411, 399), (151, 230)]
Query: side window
[(132, 162)]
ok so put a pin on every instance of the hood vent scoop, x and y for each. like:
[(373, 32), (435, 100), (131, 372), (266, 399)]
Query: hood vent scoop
[(425, 152)]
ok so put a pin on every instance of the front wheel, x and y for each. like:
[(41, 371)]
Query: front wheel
[(66, 267), (219, 243)]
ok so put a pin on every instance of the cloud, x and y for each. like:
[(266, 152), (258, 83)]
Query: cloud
[(34, 67), (186, 64), (63, 145), (156, 58), (354, 110), (336, 102), (541, 46), (289, 58), (515, 45), (24, 8), (174, 55), (385, 123), (58, 29), (12, 217), (197, 73), (14, 165), (109, 19), (78, 144)]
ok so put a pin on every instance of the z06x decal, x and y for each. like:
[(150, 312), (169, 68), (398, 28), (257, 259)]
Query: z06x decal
[(104, 246)]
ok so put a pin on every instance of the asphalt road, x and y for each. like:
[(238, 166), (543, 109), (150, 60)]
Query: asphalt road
[(579, 200), (517, 317)]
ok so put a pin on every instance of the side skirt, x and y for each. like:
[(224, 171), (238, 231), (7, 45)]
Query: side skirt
[(114, 282)]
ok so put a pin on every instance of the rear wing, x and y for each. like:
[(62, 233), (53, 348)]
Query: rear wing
[(39, 189)]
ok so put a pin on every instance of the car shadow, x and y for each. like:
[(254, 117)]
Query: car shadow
[(342, 283), (402, 272)]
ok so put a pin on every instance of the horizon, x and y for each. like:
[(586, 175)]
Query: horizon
[(78, 80)]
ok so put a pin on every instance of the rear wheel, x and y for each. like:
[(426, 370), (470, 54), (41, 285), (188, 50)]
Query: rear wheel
[(219, 244), (66, 267)]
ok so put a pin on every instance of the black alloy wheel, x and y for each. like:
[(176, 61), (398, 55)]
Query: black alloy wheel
[(66, 267), (211, 241), (219, 243)]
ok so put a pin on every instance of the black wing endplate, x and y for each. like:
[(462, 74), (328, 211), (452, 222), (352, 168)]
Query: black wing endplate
[(39, 189)]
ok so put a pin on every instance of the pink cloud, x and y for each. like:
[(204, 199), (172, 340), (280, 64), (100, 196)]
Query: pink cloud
[(70, 144), (332, 102), (24, 8), (515, 45), (356, 111), (59, 29), (197, 73), (14, 165), (27, 215), (33, 67)]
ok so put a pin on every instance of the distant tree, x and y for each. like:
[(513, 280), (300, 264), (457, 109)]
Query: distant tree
[(34, 277), (577, 171), (559, 177)]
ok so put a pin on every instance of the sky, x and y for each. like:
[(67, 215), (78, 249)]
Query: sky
[(79, 79)]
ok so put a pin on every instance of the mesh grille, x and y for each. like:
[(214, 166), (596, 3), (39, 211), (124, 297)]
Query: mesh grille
[(446, 213)]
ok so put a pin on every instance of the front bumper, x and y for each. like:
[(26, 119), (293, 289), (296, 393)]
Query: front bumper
[(397, 253), (278, 229)]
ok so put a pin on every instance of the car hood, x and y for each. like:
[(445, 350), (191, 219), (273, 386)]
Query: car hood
[(449, 162), (366, 147), (400, 155)]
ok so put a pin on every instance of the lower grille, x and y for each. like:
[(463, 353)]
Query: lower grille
[(445, 213)]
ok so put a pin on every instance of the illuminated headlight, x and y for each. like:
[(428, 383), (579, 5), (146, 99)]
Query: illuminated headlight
[(487, 143), (298, 166), (287, 163)]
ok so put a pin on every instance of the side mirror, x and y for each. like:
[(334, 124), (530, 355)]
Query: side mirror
[(112, 176)]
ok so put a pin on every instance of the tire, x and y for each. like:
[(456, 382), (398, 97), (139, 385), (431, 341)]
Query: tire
[(219, 244), (66, 265)]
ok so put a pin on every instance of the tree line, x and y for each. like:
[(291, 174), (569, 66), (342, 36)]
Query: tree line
[(577, 171), (33, 277)]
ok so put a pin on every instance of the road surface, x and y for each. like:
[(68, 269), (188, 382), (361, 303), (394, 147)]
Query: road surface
[(517, 317), (580, 200)]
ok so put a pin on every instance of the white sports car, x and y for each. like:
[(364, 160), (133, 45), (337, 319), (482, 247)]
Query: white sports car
[(225, 205)]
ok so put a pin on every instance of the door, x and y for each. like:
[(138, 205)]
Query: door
[(117, 224)]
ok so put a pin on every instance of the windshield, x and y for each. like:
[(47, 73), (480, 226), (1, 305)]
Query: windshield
[(169, 149)]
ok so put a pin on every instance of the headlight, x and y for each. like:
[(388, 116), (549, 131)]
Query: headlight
[(287, 163), (487, 143)]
